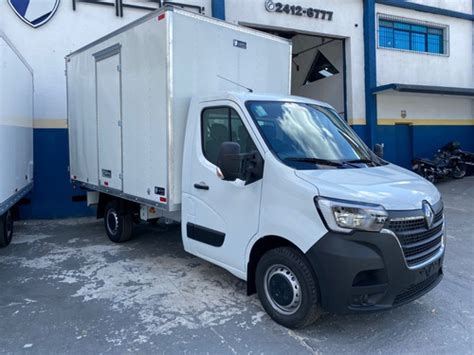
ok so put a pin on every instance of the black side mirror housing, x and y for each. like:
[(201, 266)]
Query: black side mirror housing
[(229, 161), (378, 150)]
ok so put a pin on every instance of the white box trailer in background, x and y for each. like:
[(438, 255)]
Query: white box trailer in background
[(276, 189), (16, 133), (129, 96)]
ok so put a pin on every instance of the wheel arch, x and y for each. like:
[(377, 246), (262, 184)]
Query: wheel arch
[(260, 247), (124, 205)]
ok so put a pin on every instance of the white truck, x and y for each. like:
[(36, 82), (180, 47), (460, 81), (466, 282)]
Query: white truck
[(16, 134), (188, 118)]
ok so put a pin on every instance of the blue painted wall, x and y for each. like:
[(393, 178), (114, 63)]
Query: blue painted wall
[(370, 73), (426, 139), (218, 9), (52, 192)]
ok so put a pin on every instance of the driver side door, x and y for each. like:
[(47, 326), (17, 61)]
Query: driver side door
[(220, 217)]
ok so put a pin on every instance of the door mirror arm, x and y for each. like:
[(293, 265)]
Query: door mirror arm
[(252, 167)]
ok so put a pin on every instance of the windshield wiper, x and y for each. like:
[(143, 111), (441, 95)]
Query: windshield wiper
[(363, 161), (315, 161)]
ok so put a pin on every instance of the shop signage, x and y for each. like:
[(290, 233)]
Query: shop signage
[(297, 10), (34, 13)]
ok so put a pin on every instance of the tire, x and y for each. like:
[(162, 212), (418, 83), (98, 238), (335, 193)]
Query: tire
[(459, 171), (118, 223), (6, 229), (288, 288)]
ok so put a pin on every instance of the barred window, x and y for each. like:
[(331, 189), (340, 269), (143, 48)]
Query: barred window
[(399, 33)]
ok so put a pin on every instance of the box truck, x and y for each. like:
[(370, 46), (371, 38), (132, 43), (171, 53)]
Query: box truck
[(16, 134), (188, 118)]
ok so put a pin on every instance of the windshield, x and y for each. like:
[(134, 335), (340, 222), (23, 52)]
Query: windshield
[(306, 136)]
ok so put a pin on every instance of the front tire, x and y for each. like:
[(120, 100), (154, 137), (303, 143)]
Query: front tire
[(6, 229), (459, 171), (118, 223), (287, 287)]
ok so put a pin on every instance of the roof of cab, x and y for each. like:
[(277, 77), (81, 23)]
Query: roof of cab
[(255, 96)]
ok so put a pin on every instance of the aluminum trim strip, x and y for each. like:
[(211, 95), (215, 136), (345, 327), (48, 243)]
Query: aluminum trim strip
[(13, 200), (120, 194)]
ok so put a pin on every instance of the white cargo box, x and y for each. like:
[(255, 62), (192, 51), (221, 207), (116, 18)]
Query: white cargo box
[(16, 125), (129, 94)]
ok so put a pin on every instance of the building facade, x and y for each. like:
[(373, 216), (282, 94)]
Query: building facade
[(400, 72)]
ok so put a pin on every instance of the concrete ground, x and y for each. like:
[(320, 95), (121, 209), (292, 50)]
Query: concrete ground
[(64, 288)]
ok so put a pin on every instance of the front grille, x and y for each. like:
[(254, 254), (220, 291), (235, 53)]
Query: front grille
[(418, 242), (416, 290)]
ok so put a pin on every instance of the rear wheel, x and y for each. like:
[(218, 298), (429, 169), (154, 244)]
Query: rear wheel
[(118, 222), (287, 287), (6, 229)]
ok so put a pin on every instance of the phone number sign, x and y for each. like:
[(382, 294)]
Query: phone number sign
[(297, 10)]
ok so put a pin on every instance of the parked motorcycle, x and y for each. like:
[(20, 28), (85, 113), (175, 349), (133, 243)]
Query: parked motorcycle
[(444, 164), (454, 148)]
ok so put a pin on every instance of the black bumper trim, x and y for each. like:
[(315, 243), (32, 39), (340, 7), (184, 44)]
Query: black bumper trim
[(366, 271)]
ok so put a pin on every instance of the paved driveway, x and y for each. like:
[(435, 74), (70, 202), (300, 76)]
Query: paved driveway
[(65, 289)]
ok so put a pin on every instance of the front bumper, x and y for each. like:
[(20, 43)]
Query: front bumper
[(366, 271)]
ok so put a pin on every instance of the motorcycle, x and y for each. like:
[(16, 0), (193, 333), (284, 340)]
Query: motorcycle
[(444, 164), (454, 148)]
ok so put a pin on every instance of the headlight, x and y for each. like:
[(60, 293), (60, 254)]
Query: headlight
[(345, 216)]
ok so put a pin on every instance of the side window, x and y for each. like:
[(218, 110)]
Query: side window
[(223, 124)]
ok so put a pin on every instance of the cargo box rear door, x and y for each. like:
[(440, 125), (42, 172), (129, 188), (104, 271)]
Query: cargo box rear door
[(109, 117)]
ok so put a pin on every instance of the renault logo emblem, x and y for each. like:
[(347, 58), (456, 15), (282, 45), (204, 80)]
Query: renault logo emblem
[(427, 214)]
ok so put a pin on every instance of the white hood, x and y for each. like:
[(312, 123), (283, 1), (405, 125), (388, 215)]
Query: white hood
[(392, 187)]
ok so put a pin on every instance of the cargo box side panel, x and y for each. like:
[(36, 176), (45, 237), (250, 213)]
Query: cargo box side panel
[(144, 110), (143, 106), (16, 123), (82, 118), (205, 48)]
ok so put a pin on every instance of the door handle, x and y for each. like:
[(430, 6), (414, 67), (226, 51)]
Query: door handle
[(201, 186)]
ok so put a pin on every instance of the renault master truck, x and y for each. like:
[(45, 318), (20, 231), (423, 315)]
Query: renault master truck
[(16, 134), (188, 118)]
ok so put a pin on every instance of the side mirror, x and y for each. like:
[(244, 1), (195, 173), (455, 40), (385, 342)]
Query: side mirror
[(378, 150), (229, 161)]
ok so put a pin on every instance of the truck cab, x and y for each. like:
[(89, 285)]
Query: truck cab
[(282, 193)]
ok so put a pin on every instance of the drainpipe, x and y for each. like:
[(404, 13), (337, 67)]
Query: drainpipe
[(370, 71), (218, 9)]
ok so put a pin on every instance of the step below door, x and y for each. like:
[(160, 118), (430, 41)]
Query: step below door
[(109, 119)]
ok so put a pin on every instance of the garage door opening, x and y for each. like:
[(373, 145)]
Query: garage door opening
[(318, 67)]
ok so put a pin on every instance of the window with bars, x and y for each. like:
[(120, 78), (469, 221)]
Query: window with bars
[(417, 37)]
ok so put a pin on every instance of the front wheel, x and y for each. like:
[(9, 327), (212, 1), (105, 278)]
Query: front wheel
[(459, 171), (288, 288), (118, 223), (6, 229)]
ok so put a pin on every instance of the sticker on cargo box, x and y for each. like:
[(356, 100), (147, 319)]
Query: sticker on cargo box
[(107, 173), (240, 44), (159, 191)]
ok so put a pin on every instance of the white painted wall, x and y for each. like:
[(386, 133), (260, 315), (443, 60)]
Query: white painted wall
[(45, 47), (454, 5), (347, 23), (422, 107), (394, 66), (331, 89)]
